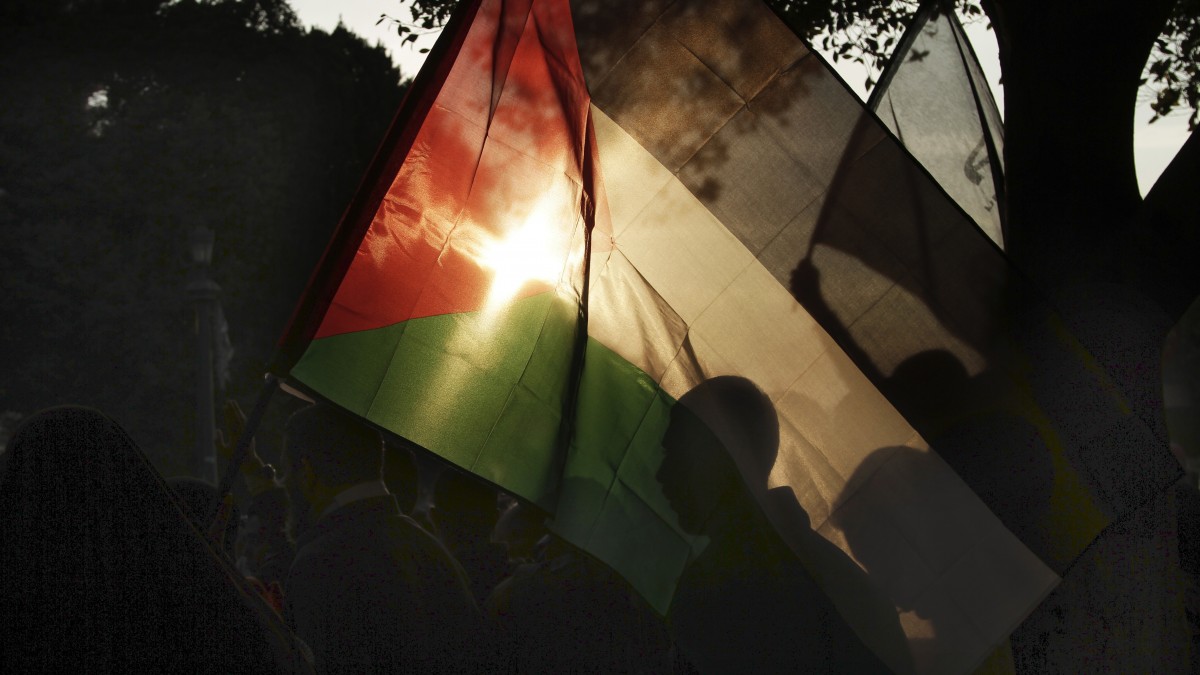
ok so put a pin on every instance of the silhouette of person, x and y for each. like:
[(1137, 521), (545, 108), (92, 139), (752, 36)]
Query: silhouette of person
[(975, 426), (201, 499), (522, 531), (104, 571), (369, 589), (464, 510), (569, 613), (401, 474), (264, 551), (745, 603)]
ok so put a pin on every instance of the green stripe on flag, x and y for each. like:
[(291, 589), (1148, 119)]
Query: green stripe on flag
[(486, 392), (612, 504), (485, 389)]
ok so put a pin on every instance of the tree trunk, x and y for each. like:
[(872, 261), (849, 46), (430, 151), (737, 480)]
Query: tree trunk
[(1072, 71), (1071, 76)]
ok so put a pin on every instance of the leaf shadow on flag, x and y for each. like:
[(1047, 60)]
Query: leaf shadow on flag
[(789, 161), (672, 76), (791, 165), (746, 599)]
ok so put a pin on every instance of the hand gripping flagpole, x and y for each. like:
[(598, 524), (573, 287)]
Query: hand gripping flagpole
[(243, 443)]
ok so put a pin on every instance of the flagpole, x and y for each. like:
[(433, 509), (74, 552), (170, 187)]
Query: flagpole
[(243, 442)]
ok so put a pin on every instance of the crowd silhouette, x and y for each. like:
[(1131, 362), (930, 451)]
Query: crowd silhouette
[(322, 566)]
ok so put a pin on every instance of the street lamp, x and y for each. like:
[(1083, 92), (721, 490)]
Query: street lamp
[(204, 293), (201, 243)]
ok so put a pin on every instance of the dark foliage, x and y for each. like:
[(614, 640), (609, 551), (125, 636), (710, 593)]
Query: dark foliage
[(866, 31), (125, 126)]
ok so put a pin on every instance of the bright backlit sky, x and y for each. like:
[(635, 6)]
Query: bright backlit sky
[(1154, 144)]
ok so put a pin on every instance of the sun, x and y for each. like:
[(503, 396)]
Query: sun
[(536, 250)]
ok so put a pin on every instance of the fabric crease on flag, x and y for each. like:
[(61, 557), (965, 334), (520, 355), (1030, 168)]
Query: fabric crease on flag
[(598, 217)]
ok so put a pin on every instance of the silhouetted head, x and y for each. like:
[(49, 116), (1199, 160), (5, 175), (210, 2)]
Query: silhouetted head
[(928, 386), (721, 424), (464, 508), (100, 564), (68, 471), (928, 485), (340, 448), (520, 528), (326, 450), (401, 475)]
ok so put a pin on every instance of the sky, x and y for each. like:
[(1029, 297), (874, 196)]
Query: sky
[(1154, 144), (360, 16)]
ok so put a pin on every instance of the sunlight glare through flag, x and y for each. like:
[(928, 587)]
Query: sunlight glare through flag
[(733, 188), (533, 251)]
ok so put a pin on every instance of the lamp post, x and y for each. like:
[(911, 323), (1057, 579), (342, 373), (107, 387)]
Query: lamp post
[(204, 292)]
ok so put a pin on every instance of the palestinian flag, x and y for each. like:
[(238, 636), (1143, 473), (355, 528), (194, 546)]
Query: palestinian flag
[(586, 210), (934, 97)]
